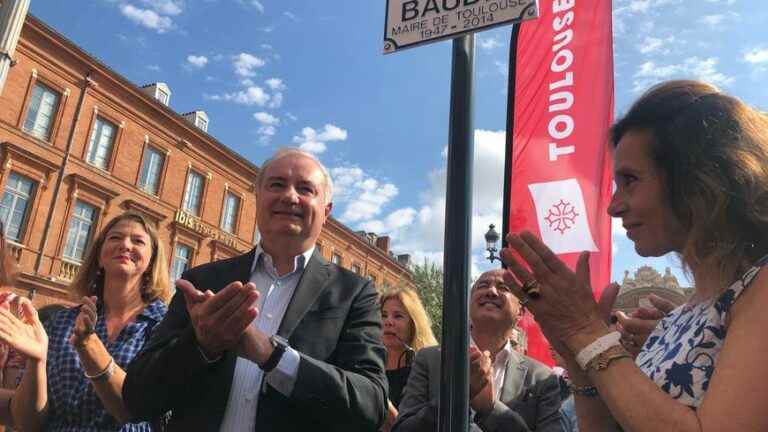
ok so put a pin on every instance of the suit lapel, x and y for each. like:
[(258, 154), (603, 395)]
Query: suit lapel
[(312, 283), (514, 378), (242, 271)]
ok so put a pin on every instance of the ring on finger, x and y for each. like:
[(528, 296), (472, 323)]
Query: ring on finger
[(532, 289)]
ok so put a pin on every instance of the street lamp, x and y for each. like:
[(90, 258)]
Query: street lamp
[(491, 238)]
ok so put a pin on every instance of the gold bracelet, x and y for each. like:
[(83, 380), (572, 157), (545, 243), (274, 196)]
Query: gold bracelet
[(604, 359), (103, 375)]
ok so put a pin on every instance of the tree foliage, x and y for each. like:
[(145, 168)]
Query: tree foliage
[(428, 278)]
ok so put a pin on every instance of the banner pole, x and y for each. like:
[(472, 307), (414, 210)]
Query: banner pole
[(509, 148), (454, 379)]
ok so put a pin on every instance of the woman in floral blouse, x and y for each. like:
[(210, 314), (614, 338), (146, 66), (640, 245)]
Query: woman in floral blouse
[(691, 172), (123, 283)]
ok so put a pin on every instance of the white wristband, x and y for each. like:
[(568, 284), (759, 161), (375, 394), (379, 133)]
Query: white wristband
[(595, 348)]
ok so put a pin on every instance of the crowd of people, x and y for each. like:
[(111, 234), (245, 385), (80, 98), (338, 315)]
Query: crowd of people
[(280, 339)]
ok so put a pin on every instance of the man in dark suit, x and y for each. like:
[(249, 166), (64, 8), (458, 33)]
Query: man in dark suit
[(277, 339), (509, 392)]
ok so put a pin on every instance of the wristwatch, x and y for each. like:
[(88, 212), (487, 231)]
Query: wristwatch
[(279, 345)]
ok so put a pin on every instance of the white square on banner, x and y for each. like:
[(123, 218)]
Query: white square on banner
[(562, 216)]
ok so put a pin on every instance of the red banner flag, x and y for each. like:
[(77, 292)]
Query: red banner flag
[(561, 171)]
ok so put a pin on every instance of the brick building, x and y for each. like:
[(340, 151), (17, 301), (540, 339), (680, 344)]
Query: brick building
[(80, 144)]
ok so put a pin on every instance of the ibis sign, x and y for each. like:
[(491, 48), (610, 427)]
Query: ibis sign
[(415, 22)]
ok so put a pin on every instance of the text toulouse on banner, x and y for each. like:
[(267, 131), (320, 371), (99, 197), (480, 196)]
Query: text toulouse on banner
[(561, 163)]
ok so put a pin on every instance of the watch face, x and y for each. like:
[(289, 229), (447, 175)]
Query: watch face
[(278, 341)]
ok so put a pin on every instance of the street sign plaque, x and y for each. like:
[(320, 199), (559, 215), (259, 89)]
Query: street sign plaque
[(416, 22)]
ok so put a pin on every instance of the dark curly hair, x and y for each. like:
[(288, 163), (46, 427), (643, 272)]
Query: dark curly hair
[(713, 152)]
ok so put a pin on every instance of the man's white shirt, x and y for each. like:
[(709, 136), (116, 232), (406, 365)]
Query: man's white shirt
[(276, 293)]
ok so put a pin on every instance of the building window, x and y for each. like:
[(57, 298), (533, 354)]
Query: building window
[(373, 279), (80, 227), (151, 169), (201, 123), (229, 216), (182, 255), (356, 268), (42, 109), (193, 193), (100, 148), (162, 96), (336, 259), (15, 206)]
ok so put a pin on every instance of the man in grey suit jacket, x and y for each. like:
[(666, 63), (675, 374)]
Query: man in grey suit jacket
[(509, 392), (277, 339)]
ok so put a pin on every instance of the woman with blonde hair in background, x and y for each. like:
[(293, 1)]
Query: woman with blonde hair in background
[(407, 329), (123, 284)]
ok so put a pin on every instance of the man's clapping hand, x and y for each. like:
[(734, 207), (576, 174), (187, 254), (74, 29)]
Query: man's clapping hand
[(220, 319)]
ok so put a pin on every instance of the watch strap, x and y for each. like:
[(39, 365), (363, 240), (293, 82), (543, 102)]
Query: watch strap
[(279, 346)]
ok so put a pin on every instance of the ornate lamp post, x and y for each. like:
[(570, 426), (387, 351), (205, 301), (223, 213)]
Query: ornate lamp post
[(491, 238)]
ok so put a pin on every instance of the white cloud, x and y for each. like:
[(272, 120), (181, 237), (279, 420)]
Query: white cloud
[(166, 7), (652, 44), (728, 2), (147, 18), (757, 55), (246, 64), (712, 20), (717, 21), (256, 4), (154, 68), (196, 61), (275, 84), (502, 67), (315, 142), (253, 95), (276, 101), (640, 6), (268, 127), (645, 6), (489, 44), (266, 118), (266, 133), (617, 233), (247, 82), (363, 195), (692, 67), (291, 16), (420, 231)]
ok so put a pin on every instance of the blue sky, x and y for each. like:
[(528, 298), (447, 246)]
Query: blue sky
[(272, 73)]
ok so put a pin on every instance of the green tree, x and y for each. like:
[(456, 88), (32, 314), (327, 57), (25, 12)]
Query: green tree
[(428, 278)]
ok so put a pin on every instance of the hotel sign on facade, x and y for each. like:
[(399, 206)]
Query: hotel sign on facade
[(200, 227), (411, 23)]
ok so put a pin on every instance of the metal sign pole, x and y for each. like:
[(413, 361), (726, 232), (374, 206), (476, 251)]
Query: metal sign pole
[(454, 379)]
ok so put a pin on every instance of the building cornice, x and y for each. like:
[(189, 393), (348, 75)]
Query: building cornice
[(90, 62)]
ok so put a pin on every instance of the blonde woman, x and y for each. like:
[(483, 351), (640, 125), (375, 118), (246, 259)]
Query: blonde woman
[(123, 283), (407, 329)]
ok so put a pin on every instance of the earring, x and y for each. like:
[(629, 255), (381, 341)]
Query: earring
[(97, 278)]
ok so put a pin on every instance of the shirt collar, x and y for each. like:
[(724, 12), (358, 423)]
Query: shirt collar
[(502, 356), (154, 311), (299, 261)]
